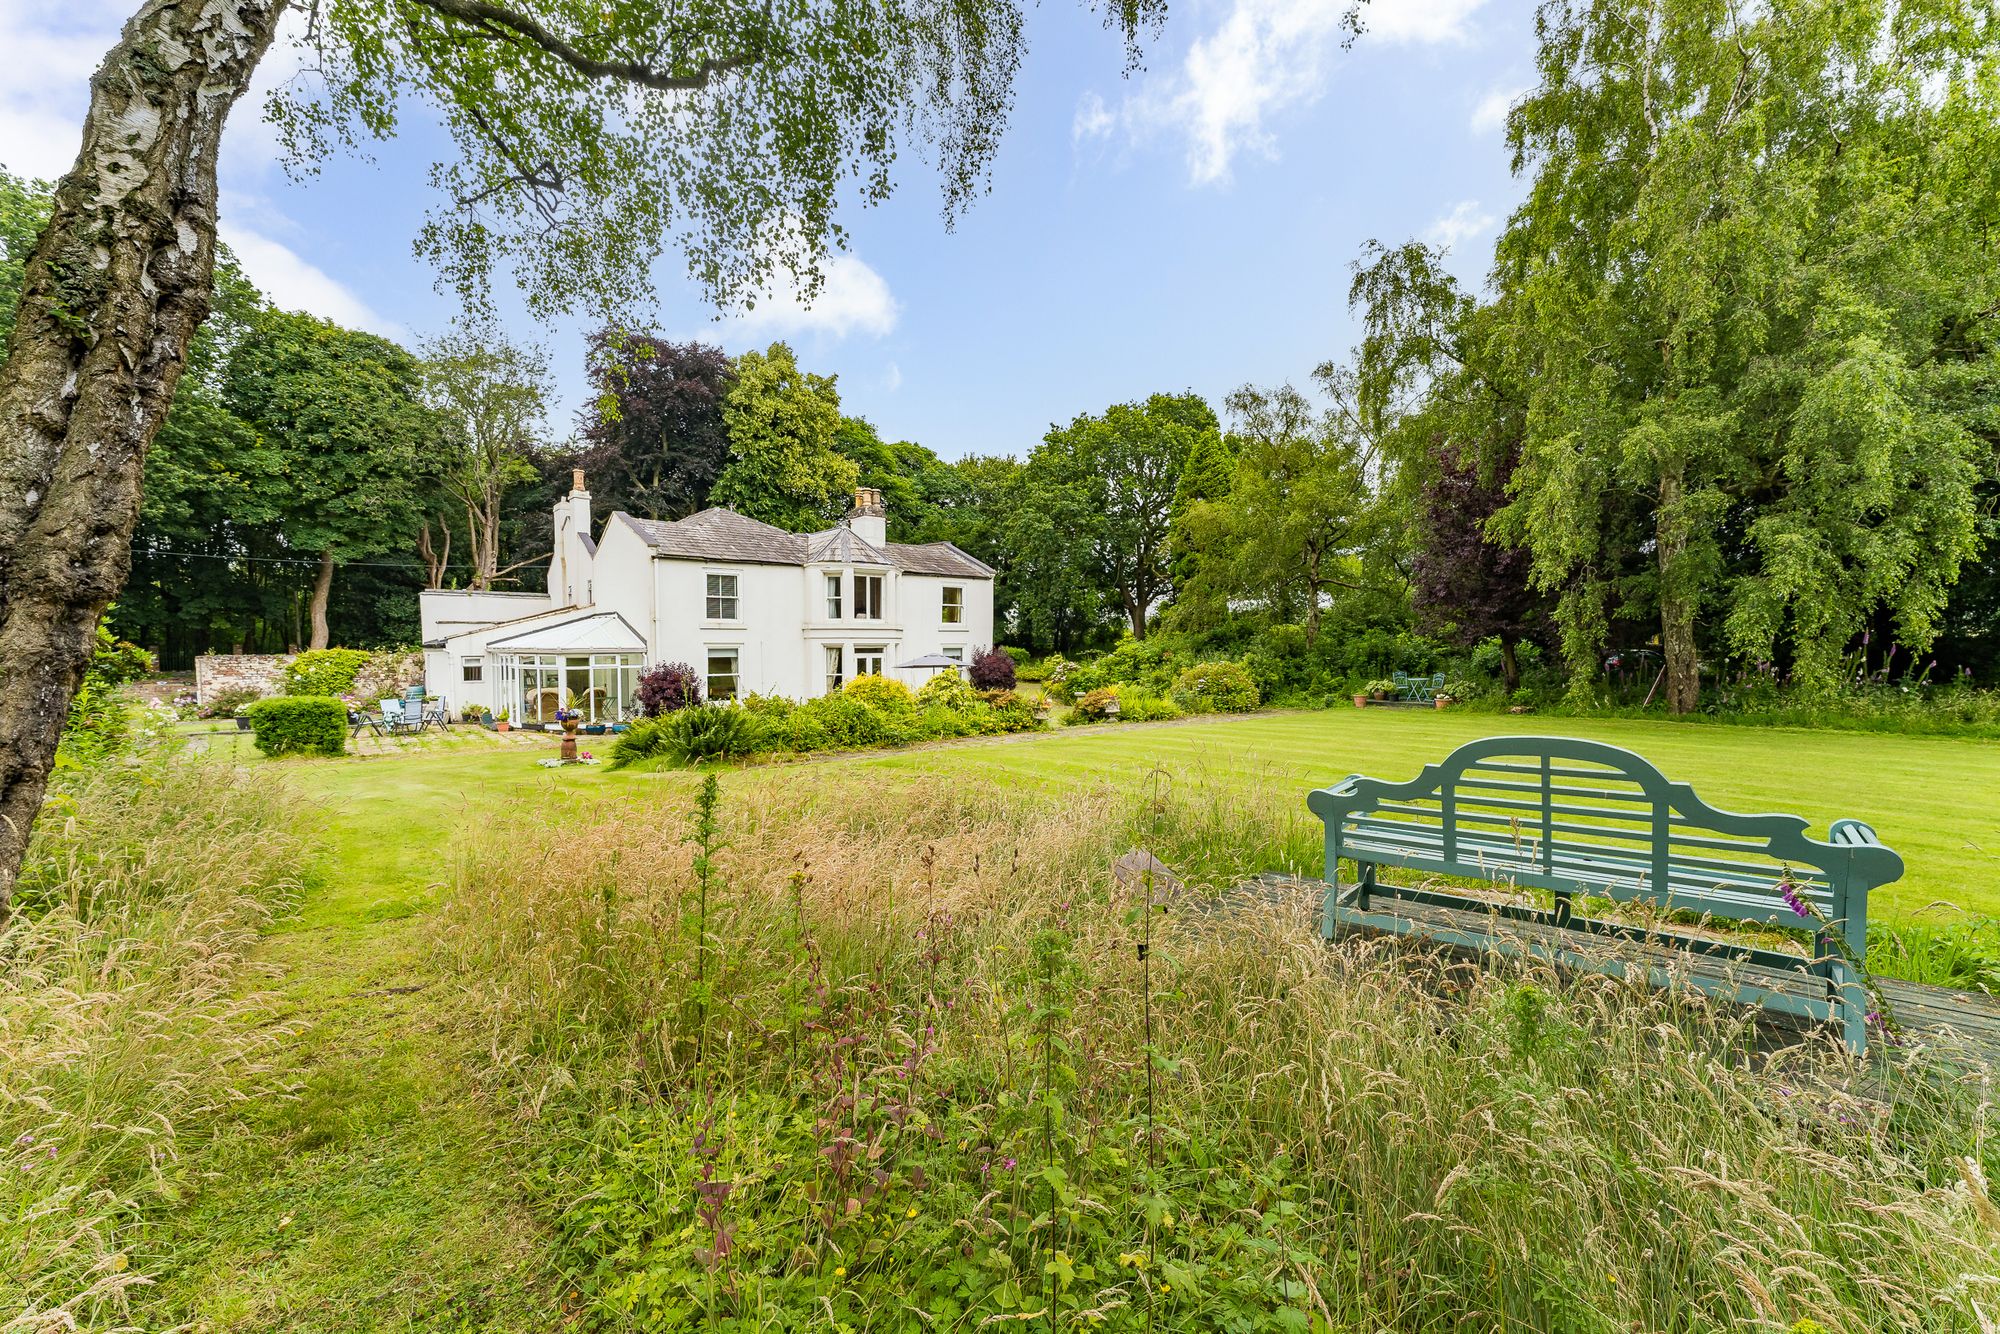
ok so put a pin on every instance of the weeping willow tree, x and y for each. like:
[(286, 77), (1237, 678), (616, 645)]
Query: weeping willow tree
[(1754, 290)]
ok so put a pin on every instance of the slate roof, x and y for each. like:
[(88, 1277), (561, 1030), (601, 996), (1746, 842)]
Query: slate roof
[(724, 535)]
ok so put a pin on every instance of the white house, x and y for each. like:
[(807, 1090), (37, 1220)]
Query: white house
[(751, 607)]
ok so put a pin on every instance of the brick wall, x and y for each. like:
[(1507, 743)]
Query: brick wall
[(216, 672)]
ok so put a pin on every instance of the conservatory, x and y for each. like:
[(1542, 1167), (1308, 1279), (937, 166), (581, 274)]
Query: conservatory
[(590, 665)]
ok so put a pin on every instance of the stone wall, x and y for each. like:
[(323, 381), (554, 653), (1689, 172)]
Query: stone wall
[(217, 672)]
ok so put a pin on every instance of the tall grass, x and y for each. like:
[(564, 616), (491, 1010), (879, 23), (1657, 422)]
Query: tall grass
[(121, 983), (1348, 1138)]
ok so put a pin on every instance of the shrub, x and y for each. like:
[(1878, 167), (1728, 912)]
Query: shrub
[(1095, 705), (1380, 686), (640, 741), (1012, 712), (325, 671), (1222, 686), (225, 703), (667, 688), (97, 726), (300, 725), (838, 722), (993, 669), (709, 732), (1057, 673), (949, 689), (937, 720), (881, 694), (1136, 706)]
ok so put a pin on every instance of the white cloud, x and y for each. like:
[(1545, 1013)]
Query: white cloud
[(1419, 20), (1465, 222), (1265, 57), (1093, 119), (52, 49), (1490, 115), (893, 377), (294, 283), (853, 299)]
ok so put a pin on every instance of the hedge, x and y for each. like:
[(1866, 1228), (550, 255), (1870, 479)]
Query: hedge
[(325, 671), (300, 725)]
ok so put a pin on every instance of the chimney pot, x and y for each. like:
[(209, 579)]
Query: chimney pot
[(576, 479)]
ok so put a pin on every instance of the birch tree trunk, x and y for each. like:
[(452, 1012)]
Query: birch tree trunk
[(111, 295), (322, 588), (1677, 603)]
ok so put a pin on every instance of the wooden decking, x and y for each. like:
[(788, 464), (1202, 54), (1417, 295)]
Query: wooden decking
[(1934, 1017)]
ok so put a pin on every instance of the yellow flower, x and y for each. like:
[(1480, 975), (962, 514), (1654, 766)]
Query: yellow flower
[(1611, 1279), (840, 1271), (911, 1214), (1166, 1287), (119, 1263)]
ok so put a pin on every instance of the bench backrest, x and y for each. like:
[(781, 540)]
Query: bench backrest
[(1574, 816)]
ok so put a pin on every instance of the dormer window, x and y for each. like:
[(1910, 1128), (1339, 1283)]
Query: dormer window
[(722, 597)]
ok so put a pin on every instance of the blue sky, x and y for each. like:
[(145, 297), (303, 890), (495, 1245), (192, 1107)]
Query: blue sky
[(1189, 227)]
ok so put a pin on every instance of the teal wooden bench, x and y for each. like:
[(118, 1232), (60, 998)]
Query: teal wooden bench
[(1582, 819)]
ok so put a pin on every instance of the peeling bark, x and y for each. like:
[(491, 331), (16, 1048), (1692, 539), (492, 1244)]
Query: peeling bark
[(115, 288)]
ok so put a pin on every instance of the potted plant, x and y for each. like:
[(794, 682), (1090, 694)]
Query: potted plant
[(1381, 689), (500, 721), (243, 720), (1360, 699)]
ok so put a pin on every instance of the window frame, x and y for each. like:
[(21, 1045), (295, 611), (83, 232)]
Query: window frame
[(734, 653), (956, 652), (713, 599), (877, 653), (868, 605), (951, 604), (472, 667), (836, 603), (835, 662)]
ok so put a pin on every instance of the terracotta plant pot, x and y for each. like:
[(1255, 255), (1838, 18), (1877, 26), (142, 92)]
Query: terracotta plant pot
[(1361, 701), (501, 726), (1443, 700)]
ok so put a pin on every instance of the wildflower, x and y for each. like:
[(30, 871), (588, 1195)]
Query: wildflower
[(1612, 1279), (1007, 1165), (119, 1263), (1797, 904), (1166, 1287), (840, 1271), (911, 1214)]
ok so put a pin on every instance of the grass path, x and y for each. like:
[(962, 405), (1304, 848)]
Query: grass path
[(386, 1194), (383, 1194)]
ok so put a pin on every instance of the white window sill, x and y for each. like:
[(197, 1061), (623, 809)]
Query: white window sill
[(722, 625)]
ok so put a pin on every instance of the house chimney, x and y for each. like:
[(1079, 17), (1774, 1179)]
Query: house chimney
[(570, 566), (869, 520)]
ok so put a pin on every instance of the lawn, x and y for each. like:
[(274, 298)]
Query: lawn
[(392, 1189), (1935, 800)]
